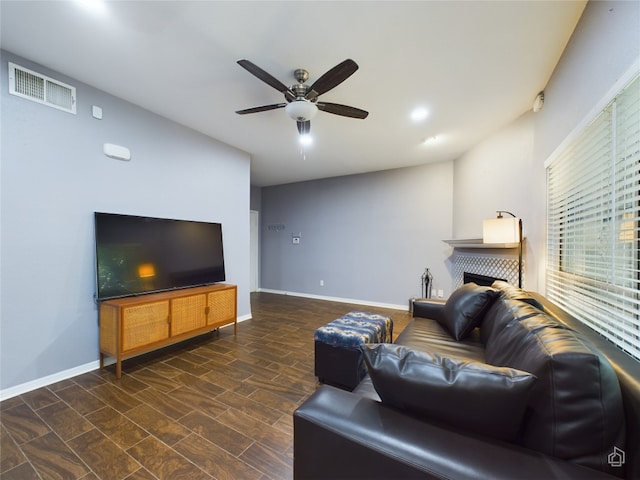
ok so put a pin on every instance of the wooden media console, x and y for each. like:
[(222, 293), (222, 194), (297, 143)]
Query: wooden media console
[(134, 325)]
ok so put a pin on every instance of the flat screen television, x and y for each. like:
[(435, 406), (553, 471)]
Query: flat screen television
[(137, 255)]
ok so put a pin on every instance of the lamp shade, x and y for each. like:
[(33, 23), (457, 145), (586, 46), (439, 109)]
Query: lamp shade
[(301, 110), (501, 230)]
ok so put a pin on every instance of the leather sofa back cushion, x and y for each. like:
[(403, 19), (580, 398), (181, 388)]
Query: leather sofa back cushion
[(575, 410), (515, 293), (468, 395), (503, 312), (465, 308)]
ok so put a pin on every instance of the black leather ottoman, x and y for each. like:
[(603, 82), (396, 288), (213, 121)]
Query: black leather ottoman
[(338, 359)]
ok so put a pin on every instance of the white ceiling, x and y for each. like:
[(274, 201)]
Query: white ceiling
[(475, 65)]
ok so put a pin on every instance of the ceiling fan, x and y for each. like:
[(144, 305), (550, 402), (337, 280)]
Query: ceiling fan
[(301, 99)]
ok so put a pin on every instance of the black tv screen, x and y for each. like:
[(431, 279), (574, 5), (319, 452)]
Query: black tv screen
[(136, 255)]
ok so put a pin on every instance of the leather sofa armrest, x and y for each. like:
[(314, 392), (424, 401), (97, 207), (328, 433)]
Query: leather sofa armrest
[(339, 435), (433, 309)]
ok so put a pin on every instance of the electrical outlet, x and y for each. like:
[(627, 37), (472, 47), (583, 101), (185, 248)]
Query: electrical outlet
[(296, 240), (322, 283)]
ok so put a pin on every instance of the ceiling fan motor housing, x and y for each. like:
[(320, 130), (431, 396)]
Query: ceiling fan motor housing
[(301, 75), (300, 90)]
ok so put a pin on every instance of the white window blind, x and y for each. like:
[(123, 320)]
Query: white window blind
[(593, 219)]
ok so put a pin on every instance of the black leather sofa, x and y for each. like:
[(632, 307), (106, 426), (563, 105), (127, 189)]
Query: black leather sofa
[(524, 391)]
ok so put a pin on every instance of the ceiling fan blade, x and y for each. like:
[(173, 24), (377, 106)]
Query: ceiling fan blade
[(343, 110), (266, 77), (263, 108), (332, 78), (304, 127)]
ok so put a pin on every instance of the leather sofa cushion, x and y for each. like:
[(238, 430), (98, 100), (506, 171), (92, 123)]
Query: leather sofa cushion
[(465, 308), (429, 336), (501, 314), (575, 410), (515, 293), (465, 394)]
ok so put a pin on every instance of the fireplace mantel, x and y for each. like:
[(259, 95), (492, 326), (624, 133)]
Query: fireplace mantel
[(478, 243)]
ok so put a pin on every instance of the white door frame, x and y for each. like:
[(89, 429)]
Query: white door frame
[(254, 258)]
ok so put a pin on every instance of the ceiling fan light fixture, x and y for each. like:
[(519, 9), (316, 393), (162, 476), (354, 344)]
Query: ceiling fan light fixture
[(305, 140), (301, 110)]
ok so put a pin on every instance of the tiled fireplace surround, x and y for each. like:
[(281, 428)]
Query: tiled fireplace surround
[(503, 264)]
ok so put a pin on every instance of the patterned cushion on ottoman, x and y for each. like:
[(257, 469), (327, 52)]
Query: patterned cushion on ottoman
[(355, 328), (338, 359)]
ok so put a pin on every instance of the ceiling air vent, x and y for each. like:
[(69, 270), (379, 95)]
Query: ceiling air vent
[(39, 88)]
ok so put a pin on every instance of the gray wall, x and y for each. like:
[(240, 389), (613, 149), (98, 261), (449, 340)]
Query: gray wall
[(604, 45), (369, 237), (496, 175), (504, 172), (54, 176)]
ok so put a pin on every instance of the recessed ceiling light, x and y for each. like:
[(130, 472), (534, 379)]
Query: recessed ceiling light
[(419, 114), (432, 140), (94, 6)]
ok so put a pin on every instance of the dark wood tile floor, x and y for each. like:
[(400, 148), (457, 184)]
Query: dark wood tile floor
[(219, 406)]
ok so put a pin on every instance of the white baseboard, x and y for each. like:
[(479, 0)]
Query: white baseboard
[(338, 299), (65, 374), (48, 380)]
